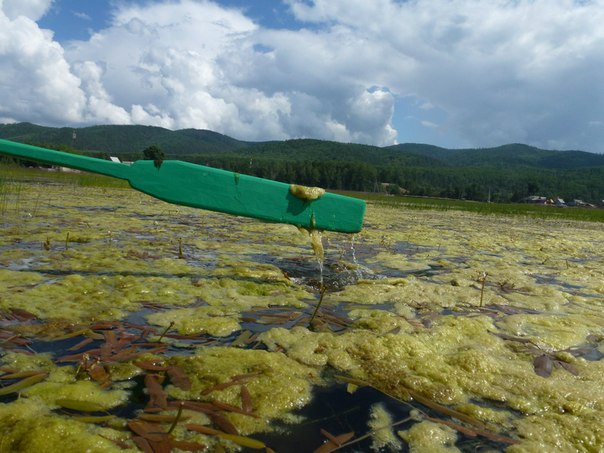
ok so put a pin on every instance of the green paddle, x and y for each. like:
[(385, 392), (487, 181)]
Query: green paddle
[(203, 187)]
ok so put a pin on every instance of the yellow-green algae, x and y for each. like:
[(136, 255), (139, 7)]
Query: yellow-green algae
[(27, 425), (306, 193), (277, 384), (61, 383), (189, 321), (430, 437), (380, 423), (544, 285)]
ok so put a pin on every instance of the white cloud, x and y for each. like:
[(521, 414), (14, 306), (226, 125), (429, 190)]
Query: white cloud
[(81, 15), (35, 80), (493, 71), (502, 71), (32, 9)]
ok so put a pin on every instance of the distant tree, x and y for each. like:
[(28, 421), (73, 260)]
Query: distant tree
[(532, 188), (155, 154)]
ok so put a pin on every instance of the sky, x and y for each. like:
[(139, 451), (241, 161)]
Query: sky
[(452, 73)]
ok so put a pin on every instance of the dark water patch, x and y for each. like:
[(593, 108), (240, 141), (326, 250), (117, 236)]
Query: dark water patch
[(97, 208), (410, 249), (337, 411)]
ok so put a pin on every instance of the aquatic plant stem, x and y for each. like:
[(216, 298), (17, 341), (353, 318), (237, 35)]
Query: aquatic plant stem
[(161, 337), (176, 419), (371, 433), (314, 314), (482, 279)]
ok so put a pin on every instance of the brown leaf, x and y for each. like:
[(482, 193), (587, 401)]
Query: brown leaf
[(159, 418), (187, 446), (150, 431), (78, 357), (244, 377), (568, 367), (81, 344), (203, 429), (246, 400), (223, 423), (543, 365), (196, 406), (326, 447), (156, 392), (179, 378), (22, 315), (337, 440), (220, 386), (143, 444), (98, 374)]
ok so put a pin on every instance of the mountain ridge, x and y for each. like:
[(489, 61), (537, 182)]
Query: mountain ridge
[(130, 140)]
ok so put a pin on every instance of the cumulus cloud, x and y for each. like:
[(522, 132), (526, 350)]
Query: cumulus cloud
[(524, 71), (492, 72), (31, 9), (35, 79)]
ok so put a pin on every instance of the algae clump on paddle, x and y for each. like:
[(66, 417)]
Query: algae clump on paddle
[(305, 193)]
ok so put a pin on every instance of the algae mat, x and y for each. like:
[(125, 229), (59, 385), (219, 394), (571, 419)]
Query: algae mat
[(128, 324)]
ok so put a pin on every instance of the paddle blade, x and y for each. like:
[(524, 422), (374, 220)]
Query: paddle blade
[(209, 188)]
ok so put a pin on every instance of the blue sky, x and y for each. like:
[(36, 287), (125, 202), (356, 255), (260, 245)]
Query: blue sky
[(454, 73), (76, 19)]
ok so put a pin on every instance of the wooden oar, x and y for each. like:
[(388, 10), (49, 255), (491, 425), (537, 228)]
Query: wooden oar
[(209, 188)]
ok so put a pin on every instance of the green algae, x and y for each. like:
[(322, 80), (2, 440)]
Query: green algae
[(419, 330), (189, 321), (277, 384), (430, 436), (382, 434), (57, 393), (27, 425)]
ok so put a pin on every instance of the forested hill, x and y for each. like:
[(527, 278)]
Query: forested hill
[(123, 140), (503, 173), (506, 155)]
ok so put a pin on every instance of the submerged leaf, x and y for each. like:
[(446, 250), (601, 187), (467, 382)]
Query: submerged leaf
[(78, 405), (568, 367), (156, 392), (23, 384), (543, 365), (179, 378)]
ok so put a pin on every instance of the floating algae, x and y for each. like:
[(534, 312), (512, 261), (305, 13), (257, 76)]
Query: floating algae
[(189, 321), (382, 434), (422, 334), (27, 425), (276, 383), (429, 436)]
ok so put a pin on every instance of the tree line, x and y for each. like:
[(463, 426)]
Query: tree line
[(480, 183)]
